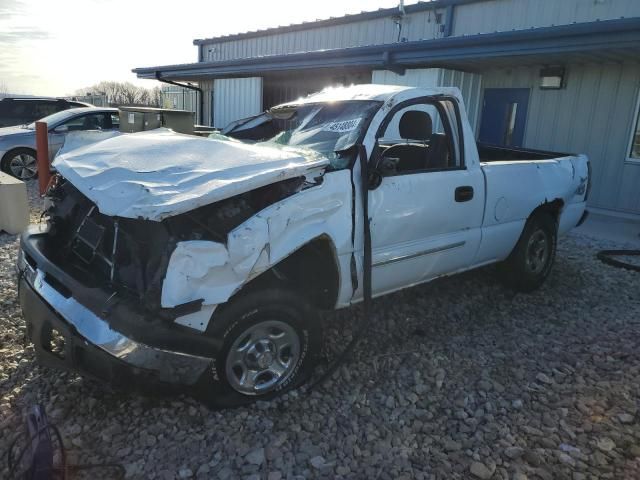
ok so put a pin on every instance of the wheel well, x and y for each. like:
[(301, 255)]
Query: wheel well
[(552, 208), (312, 271)]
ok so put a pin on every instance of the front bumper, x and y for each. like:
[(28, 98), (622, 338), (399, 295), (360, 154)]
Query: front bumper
[(89, 344)]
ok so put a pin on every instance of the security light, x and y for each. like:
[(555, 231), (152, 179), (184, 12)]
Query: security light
[(552, 78)]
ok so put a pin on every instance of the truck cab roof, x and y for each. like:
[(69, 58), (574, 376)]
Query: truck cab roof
[(369, 92)]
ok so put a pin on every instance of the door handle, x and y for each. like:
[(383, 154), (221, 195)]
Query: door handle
[(464, 194)]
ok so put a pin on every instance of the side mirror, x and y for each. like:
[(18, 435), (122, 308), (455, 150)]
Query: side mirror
[(375, 179), (375, 174), (61, 129), (380, 167)]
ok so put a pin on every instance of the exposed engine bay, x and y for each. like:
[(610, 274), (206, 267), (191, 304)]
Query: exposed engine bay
[(131, 255)]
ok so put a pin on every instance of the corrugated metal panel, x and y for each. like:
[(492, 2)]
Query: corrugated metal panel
[(236, 98), (415, 77), (470, 84), (416, 26), (284, 88), (594, 114), (503, 15), (482, 17)]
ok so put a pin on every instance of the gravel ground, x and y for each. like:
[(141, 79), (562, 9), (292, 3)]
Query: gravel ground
[(456, 379)]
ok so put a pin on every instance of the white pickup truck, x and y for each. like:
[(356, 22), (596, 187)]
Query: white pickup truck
[(202, 261)]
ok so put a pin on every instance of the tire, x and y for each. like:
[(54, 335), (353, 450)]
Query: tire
[(251, 326), (21, 163), (530, 262)]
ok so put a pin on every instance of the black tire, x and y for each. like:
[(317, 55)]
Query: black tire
[(218, 387), (30, 171), (520, 271)]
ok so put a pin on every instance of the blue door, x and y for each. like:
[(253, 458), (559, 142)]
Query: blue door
[(504, 115)]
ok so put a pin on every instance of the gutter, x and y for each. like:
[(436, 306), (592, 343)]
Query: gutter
[(189, 87)]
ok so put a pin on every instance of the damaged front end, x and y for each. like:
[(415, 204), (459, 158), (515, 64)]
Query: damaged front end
[(148, 234), (94, 283)]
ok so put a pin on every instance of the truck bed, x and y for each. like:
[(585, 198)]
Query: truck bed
[(493, 153), (520, 180)]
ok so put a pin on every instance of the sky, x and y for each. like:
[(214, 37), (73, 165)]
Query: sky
[(56, 47)]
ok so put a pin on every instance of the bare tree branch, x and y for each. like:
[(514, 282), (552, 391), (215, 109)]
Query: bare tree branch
[(124, 93)]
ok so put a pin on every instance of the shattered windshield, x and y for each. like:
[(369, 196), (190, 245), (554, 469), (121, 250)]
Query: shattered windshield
[(328, 128)]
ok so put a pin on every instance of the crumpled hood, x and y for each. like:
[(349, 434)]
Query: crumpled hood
[(160, 173)]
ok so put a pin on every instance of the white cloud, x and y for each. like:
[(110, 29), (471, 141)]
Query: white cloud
[(69, 44)]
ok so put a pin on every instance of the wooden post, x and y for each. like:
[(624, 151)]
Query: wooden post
[(42, 148)]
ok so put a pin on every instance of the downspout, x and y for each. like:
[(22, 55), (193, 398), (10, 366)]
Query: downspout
[(448, 22), (190, 87)]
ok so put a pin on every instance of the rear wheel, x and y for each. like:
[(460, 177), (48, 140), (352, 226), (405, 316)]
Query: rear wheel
[(21, 163), (270, 343), (531, 260)]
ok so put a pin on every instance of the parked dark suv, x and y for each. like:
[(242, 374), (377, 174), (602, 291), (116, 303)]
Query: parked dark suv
[(20, 111)]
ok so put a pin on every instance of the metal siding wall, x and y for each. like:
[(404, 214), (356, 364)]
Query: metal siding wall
[(415, 77), (482, 17), (236, 98), (280, 89), (504, 15), (417, 26), (470, 84), (592, 115)]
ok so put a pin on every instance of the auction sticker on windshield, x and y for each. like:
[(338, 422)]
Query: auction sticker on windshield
[(343, 126)]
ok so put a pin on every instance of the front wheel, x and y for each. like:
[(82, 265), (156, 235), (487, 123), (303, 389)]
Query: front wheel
[(270, 343), (531, 260), (21, 163)]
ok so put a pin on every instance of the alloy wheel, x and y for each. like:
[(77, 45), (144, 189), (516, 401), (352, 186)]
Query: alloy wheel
[(23, 166)]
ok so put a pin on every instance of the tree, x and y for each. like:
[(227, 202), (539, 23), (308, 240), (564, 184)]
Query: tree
[(124, 93), (4, 89)]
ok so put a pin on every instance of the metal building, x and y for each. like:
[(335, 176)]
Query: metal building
[(549, 74)]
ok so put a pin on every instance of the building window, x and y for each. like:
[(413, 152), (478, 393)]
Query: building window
[(634, 154)]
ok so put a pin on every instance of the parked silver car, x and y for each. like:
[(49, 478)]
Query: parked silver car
[(18, 144)]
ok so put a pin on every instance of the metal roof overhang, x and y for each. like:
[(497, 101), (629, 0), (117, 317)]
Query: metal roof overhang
[(615, 39)]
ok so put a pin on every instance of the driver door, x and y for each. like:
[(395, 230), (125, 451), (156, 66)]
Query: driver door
[(427, 211)]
